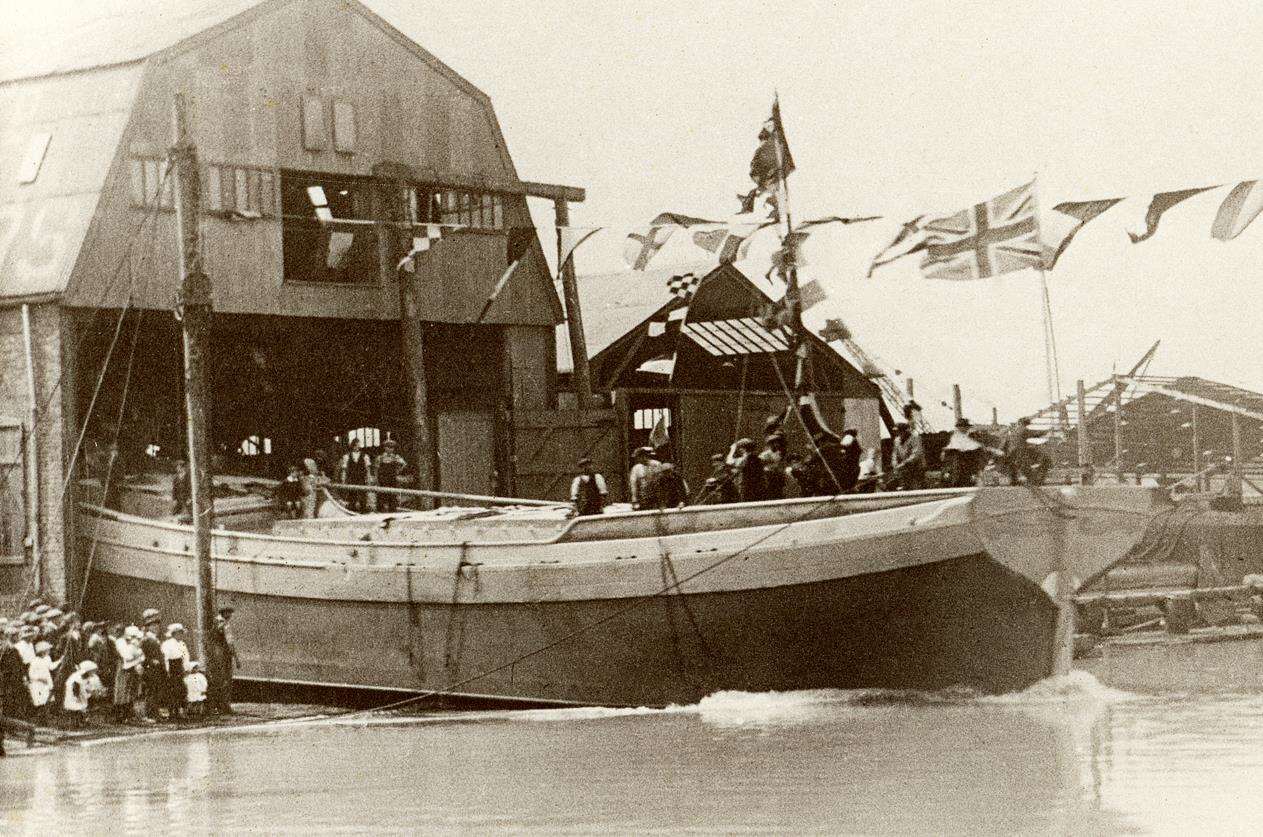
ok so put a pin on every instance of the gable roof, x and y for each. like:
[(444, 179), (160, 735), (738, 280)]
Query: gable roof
[(68, 36)]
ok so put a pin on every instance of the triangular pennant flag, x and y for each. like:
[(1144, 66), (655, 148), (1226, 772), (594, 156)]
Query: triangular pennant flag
[(659, 437), (1077, 214), (772, 162), (1243, 205), (642, 247), (835, 219), (569, 239), (835, 331), (1160, 204), (810, 294), (909, 240)]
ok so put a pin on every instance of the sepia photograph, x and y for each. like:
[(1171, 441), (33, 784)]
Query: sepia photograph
[(578, 417)]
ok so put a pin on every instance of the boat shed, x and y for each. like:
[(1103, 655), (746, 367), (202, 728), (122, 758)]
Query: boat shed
[(326, 139), (711, 369), (1165, 427)]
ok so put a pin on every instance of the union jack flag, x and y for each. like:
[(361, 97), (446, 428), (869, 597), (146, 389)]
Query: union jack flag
[(988, 239)]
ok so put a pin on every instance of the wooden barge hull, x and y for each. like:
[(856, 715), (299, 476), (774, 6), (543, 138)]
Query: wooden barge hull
[(949, 592)]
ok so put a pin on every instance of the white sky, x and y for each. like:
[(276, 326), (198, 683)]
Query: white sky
[(902, 108)]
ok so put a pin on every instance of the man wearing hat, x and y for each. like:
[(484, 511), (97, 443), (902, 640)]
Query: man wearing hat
[(642, 477), (964, 457), (221, 659), (907, 463), (389, 466), (588, 493), (153, 671)]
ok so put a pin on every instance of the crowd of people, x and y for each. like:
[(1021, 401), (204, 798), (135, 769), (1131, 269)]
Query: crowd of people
[(830, 465), (58, 669)]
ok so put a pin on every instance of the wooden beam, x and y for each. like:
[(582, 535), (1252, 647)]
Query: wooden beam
[(1191, 399), (580, 375), (553, 191)]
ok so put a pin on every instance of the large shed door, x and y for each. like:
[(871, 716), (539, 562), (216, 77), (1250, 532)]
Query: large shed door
[(467, 452)]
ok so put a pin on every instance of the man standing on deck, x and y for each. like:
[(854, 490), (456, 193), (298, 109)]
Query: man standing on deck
[(908, 461), (644, 475), (1019, 461), (356, 469), (221, 659), (588, 492), (389, 465)]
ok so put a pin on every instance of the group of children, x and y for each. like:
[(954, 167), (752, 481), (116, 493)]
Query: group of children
[(52, 663)]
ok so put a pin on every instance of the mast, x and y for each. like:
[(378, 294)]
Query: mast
[(793, 300), (582, 374), (193, 310)]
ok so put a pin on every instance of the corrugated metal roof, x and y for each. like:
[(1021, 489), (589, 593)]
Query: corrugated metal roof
[(43, 223), (744, 336), (63, 36)]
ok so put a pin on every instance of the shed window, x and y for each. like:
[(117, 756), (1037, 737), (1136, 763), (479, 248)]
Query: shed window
[(243, 190), (476, 210), (343, 126), (34, 158), (152, 185), (327, 231), (315, 134)]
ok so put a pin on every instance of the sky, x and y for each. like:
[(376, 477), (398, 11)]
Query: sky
[(899, 109), (902, 109)]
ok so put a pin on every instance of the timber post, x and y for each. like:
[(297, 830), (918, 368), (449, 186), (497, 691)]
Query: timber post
[(1238, 466), (1118, 428), (30, 451), (1085, 442), (957, 410), (582, 375), (1197, 452), (193, 308), (911, 395), (389, 212)]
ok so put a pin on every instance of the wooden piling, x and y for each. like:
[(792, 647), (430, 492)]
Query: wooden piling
[(1085, 442), (956, 403)]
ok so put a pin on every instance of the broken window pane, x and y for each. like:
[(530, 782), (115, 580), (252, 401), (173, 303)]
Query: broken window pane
[(327, 234)]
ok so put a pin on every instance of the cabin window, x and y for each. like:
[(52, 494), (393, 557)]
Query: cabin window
[(255, 445), (328, 233), (368, 437), (648, 419), (35, 151), (315, 135), (343, 126), (152, 183), (457, 207)]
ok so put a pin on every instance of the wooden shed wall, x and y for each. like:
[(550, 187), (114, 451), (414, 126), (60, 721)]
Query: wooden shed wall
[(246, 84)]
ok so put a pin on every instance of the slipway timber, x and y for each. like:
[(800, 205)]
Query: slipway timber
[(911, 590)]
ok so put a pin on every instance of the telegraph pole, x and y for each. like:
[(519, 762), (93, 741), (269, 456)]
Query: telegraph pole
[(193, 310)]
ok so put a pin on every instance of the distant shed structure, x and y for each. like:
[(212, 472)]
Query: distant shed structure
[(1160, 426), (710, 370), (325, 136)]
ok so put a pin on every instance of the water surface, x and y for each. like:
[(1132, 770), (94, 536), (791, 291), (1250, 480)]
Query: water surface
[(1068, 756)]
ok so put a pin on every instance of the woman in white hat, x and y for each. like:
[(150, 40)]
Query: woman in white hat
[(80, 687), (175, 656)]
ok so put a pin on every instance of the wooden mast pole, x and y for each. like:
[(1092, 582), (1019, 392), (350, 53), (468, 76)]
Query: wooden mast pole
[(582, 374), (193, 309), (957, 409)]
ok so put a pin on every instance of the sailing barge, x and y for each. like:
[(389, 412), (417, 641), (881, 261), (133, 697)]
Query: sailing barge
[(907, 590)]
